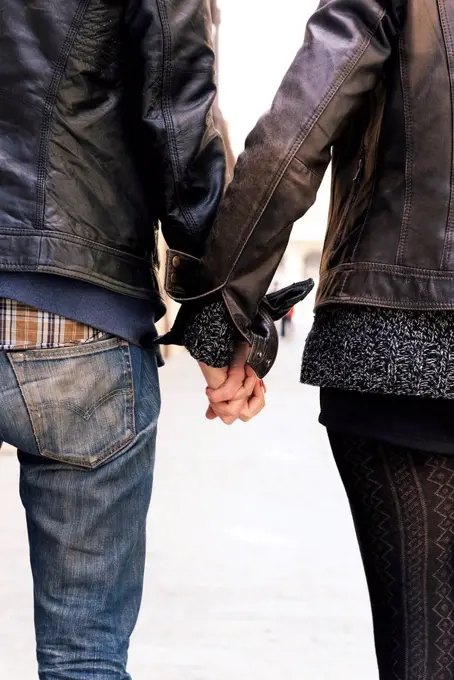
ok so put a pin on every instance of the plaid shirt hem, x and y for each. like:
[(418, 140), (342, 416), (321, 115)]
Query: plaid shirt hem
[(23, 327)]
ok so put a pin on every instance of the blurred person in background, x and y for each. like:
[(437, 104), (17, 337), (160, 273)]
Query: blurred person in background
[(106, 129), (371, 92), (287, 323)]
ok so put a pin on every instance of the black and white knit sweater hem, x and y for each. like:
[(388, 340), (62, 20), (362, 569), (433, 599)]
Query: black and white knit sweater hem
[(381, 351)]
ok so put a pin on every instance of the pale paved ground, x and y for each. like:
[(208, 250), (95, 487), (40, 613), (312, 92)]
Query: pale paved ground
[(253, 572)]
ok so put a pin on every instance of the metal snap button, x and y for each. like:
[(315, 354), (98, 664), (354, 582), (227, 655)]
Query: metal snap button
[(173, 278), (176, 261)]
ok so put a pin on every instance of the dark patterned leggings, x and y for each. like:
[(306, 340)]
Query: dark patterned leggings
[(403, 507)]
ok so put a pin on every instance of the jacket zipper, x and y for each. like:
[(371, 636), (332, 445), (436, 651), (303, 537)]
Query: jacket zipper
[(356, 185), (357, 179)]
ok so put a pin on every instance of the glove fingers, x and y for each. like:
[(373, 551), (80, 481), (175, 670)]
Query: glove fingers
[(282, 301)]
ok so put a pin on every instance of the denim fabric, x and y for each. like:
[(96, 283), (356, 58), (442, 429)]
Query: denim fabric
[(84, 421)]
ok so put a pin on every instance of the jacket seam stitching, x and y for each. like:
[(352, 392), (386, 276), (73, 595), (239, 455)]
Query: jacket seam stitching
[(48, 113), (343, 284), (389, 301), (166, 109), (209, 70), (76, 273), (341, 236), (305, 132), (72, 238), (408, 192), (447, 246), (414, 272), (373, 187), (369, 208)]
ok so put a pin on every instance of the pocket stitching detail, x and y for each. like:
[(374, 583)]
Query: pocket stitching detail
[(32, 422), (130, 424), (86, 415)]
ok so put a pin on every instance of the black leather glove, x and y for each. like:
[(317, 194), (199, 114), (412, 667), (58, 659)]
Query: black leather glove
[(264, 339)]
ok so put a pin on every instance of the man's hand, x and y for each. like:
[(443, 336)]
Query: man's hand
[(234, 393)]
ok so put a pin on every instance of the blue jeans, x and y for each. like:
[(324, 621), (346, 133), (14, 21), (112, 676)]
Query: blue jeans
[(84, 422)]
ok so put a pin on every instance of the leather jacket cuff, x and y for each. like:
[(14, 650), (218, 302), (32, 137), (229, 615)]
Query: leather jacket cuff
[(260, 333), (184, 278), (186, 282)]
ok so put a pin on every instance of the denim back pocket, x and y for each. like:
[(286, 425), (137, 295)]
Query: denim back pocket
[(80, 400)]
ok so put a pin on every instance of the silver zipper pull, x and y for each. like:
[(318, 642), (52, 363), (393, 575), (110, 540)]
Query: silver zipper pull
[(360, 167)]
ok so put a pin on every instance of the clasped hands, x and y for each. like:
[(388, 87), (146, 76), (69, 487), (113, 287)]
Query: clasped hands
[(234, 393)]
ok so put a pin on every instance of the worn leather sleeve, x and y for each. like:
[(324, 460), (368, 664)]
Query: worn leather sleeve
[(346, 46), (186, 153)]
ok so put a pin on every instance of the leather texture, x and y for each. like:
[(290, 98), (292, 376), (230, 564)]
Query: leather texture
[(105, 131), (371, 91), (261, 333), (264, 338)]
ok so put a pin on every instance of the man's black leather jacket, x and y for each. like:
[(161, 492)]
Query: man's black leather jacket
[(372, 90), (105, 130)]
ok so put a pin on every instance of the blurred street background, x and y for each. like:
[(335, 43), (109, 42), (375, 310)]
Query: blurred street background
[(253, 570)]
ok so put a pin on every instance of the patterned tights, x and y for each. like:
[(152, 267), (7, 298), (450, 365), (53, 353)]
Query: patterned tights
[(403, 507)]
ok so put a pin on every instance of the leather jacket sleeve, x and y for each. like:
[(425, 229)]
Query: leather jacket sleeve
[(186, 151), (277, 178)]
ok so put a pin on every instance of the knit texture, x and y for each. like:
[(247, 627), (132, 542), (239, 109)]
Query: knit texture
[(211, 337), (381, 351)]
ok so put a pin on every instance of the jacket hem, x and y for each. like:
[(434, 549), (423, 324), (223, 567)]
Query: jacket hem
[(387, 286), (45, 252)]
